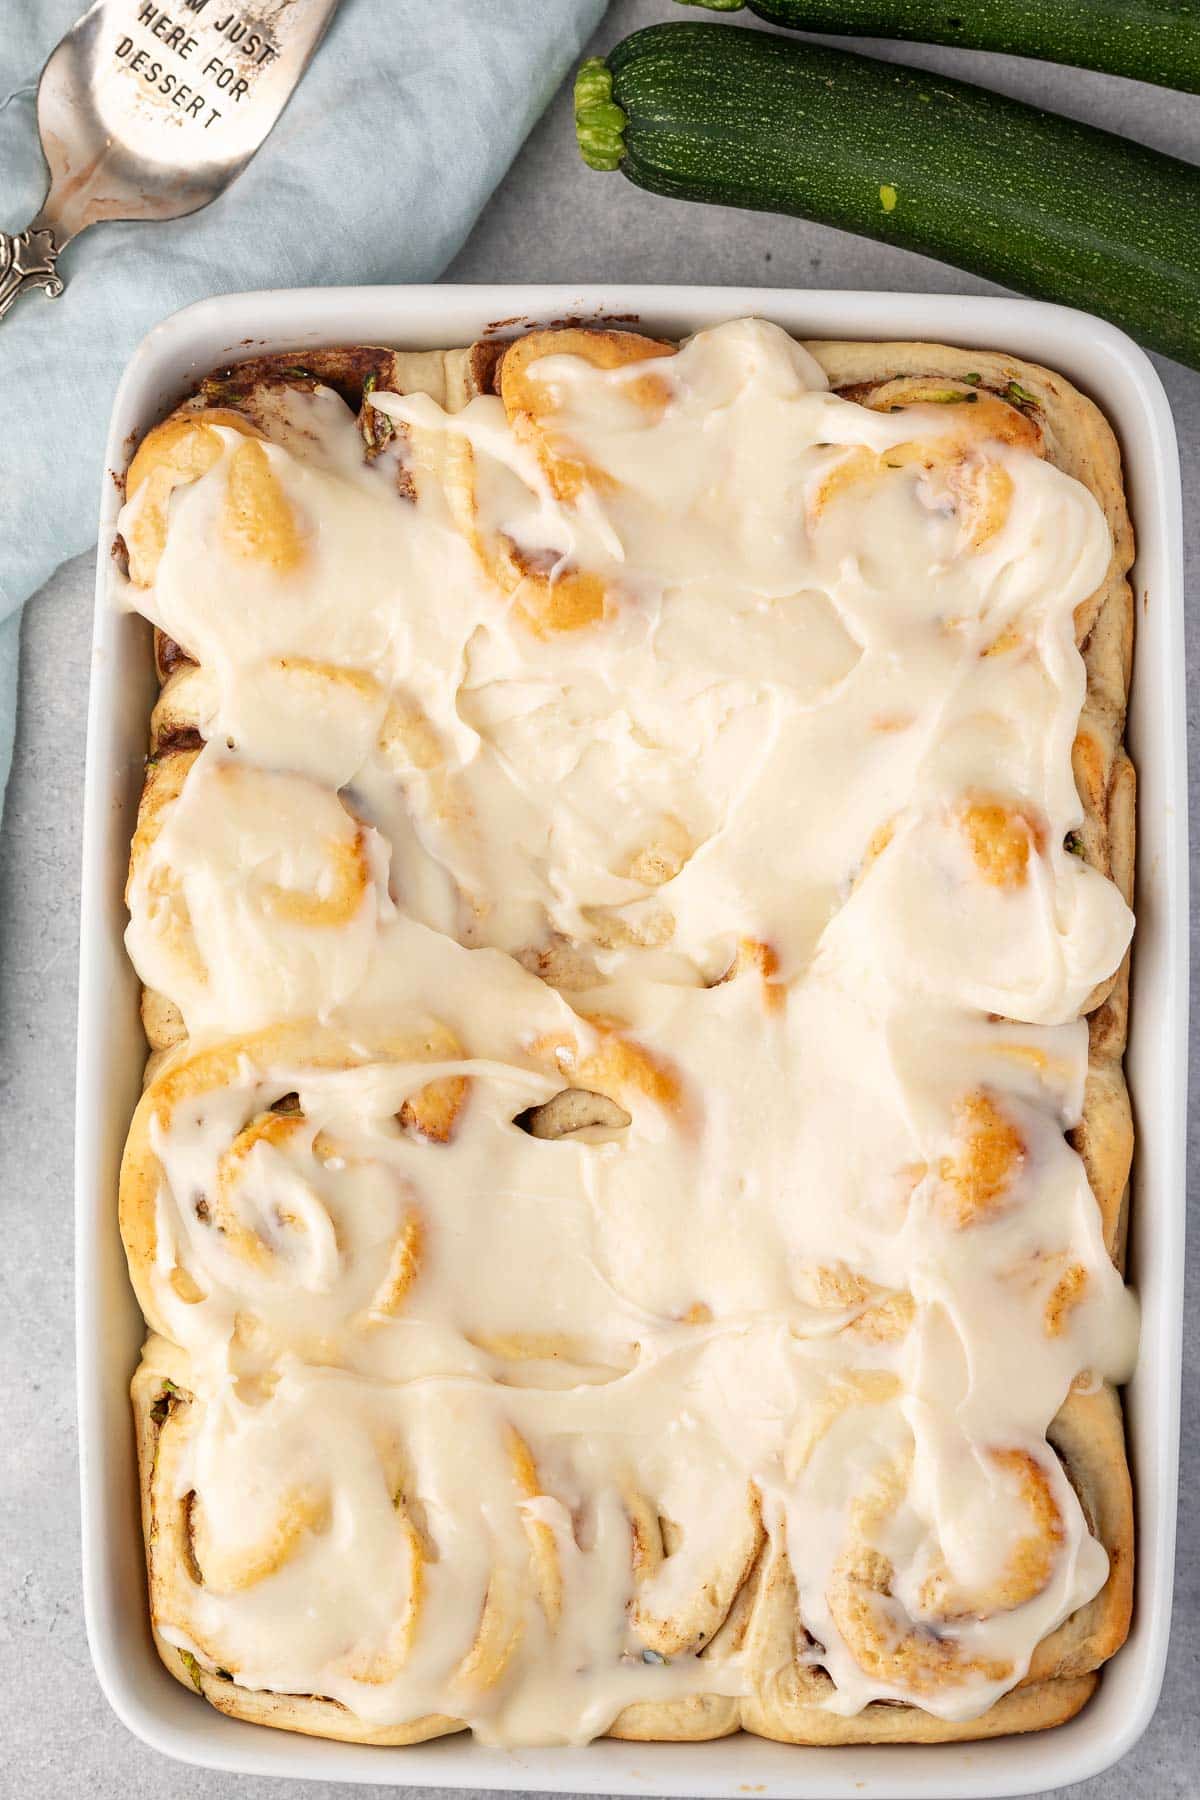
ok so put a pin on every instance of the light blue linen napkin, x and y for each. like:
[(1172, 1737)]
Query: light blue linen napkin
[(408, 116)]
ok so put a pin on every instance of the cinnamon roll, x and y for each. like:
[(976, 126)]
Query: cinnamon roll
[(632, 888)]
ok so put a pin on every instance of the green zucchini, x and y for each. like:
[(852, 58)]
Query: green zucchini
[(1150, 40), (1037, 202)]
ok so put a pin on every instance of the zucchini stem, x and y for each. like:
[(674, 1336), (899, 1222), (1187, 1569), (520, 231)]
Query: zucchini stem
[(599, 121)]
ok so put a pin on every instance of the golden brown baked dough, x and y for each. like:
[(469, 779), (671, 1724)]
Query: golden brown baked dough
[(751, 1607)]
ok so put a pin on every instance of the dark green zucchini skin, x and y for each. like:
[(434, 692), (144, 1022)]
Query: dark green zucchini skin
[(1037, 202), (1150, 40)]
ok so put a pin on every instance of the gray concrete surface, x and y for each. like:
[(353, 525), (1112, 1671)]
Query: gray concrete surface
[(550, 221)]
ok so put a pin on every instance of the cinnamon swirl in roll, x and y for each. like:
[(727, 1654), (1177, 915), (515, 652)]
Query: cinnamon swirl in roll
[(632, 889)]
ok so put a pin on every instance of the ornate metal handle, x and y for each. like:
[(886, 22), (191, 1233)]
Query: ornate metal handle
[(28, 261)]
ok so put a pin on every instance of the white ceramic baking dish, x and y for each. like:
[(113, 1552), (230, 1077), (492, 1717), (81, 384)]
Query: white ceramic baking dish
[(111, 1050)]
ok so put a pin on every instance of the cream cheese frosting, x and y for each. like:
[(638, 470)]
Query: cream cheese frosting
[(769, 848)]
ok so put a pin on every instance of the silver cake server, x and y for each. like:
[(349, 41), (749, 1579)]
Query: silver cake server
[(149, 112)]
